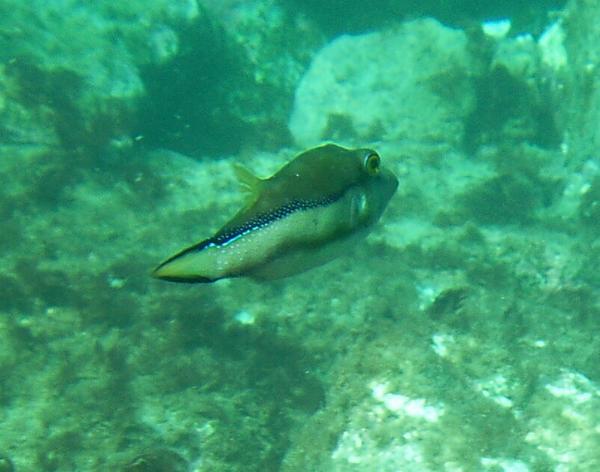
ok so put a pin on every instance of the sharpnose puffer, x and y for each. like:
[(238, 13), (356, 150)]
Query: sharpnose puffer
[(314, 209)]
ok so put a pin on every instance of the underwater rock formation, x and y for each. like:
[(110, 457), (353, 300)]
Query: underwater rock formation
[(411, 82), (77, 65), (462, 335)]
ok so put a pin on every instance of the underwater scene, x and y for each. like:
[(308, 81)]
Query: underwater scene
[(299, 235)]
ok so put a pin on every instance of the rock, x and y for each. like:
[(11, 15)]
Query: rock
[(575, 85), (407, 83), (6, 464), (76, 67)]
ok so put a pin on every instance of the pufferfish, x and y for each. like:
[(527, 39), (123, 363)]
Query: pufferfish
[(315, 208)]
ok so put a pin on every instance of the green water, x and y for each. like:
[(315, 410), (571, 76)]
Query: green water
[(460, 336)]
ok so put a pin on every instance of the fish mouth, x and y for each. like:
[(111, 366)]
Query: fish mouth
[(387, 184), (390, 182)]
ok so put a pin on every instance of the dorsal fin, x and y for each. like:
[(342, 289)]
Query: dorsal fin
[(250, 183)]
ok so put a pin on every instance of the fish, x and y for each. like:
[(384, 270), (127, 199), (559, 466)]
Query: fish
[(314, 209)]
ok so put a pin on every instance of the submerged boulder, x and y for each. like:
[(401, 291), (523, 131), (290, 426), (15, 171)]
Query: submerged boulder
[(75, 66), (411, 82)]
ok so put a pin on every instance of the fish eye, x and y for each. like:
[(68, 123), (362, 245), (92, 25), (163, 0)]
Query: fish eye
[(372, 163)]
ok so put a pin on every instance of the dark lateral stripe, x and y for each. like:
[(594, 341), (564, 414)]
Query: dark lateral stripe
[(255, 223), (188, 280), (264, 220), (196, 247)]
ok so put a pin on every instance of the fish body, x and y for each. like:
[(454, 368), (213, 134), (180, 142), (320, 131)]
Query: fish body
[(314, 209)]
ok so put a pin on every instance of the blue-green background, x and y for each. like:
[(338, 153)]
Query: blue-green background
[(461, 336)]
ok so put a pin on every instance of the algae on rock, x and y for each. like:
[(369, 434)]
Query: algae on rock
[(412, 82)]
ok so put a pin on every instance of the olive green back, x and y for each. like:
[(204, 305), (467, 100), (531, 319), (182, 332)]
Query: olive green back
[(313, 176)]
